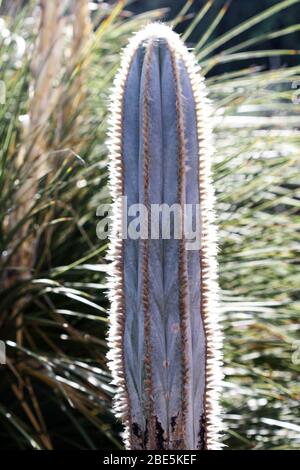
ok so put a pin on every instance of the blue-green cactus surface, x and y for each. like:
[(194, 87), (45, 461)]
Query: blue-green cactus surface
[(164, 335)]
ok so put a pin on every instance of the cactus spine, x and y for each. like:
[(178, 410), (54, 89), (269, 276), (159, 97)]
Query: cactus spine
[(164, 338)]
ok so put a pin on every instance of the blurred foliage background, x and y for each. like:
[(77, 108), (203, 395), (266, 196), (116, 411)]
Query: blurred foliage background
[(239, 11), (57, 64)]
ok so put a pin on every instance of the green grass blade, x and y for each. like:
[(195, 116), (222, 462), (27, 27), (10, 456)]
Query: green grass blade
[(264, 37), (241, 28), (181, 14), (210, 30), (206, 7)]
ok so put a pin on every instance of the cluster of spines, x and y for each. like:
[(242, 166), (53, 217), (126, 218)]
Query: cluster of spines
[(182, 268), (146, 289), (115, 255)]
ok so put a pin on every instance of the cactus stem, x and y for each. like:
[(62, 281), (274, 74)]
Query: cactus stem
[(157, 424)]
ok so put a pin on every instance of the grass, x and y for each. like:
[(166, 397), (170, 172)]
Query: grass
[(55, 389)]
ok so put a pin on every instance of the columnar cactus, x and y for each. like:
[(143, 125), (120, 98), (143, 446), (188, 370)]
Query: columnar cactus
[(164, 336)]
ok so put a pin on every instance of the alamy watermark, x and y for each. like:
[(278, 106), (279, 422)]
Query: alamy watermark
[(156, 222), (2, 92)]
